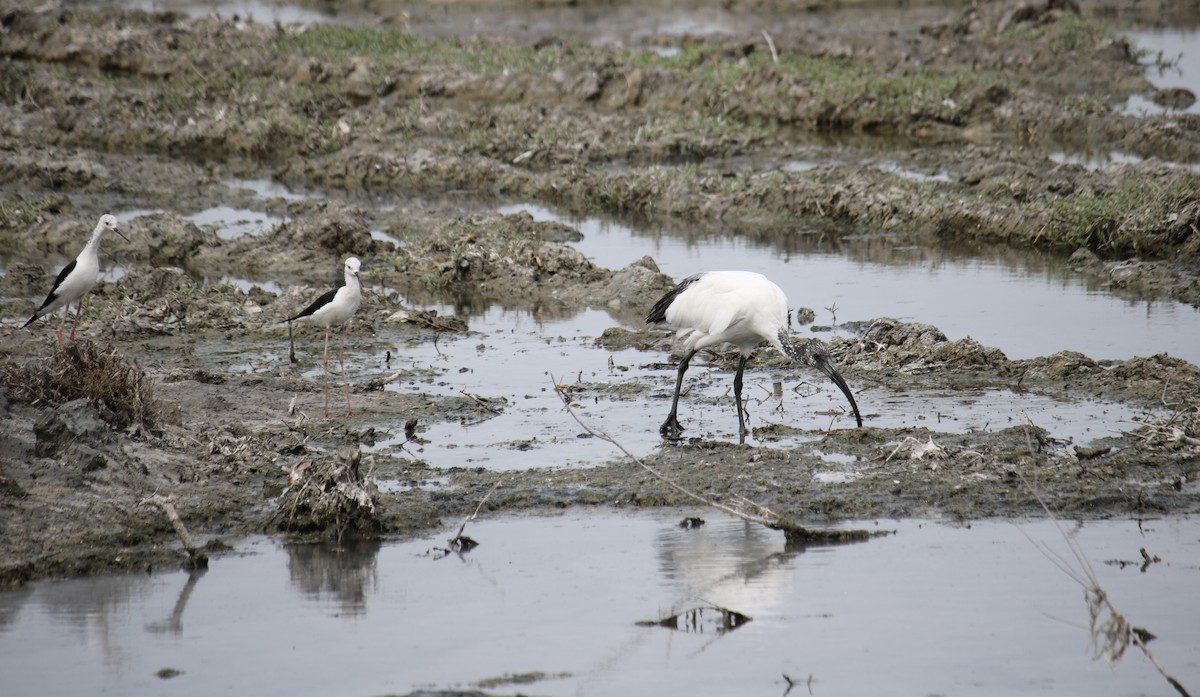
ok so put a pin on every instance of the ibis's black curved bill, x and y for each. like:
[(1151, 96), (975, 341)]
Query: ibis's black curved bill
[(815, 354), (826, 367)]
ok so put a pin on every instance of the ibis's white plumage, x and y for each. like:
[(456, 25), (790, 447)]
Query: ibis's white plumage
[(740, 308)]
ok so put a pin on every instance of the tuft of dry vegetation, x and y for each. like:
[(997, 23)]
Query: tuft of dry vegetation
[(1178, 430), (330, 496), (85, 370)]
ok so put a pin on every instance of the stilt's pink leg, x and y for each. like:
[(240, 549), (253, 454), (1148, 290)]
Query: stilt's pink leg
[(345, 380), (325, 364), (62, 323), (78, 312)]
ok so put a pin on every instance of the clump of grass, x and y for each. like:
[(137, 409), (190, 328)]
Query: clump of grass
[(85, 370), (19, 212), (329, 497), (393, 45), (1132, 218), (1070, 33)]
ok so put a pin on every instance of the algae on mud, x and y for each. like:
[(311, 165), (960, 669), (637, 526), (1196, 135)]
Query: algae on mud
[(115, 109)]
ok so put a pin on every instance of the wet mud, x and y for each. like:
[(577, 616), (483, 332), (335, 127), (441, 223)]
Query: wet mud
[(160, 113)]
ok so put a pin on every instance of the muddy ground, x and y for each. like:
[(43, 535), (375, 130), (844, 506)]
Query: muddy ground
[(103, 108)]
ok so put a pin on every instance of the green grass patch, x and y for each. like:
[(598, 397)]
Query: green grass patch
[(19, 212), (1071, 33), (395, 46), (1131, 219)]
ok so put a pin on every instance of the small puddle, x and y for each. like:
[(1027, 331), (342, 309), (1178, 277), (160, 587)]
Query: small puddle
[(246, 284), (1172, 60), (231, 223), (267, 189), (555, 603), (971, 410), (257, 10), (515, 361), (1095, 160)]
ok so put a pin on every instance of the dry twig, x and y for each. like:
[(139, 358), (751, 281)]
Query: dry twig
[(749, 511), (771, 45), (461, 543), (761, 514), (197, 559), (1111, 632)]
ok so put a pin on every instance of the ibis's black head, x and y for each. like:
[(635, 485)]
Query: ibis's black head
[(814, 354)]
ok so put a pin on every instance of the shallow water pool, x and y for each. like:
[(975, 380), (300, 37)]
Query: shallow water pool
[(552, 606)]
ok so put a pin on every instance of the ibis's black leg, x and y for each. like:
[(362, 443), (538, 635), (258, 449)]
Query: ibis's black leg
[(737, 396), (671, 427), (291, 345)]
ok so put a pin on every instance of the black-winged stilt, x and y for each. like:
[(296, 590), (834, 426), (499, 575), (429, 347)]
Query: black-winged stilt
[(334, 308), (741, 308), (76, 279)]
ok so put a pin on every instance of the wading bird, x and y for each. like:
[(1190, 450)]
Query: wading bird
[(333, 308), (76, 279), (741, 308)]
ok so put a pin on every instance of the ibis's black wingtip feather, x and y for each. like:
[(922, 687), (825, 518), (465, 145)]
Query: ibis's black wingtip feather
[(659, 312)]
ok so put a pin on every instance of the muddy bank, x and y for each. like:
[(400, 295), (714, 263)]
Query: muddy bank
[(159, 115), (599, 129), (226, 442)]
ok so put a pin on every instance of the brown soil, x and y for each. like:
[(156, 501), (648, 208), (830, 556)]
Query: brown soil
[(118, 109)]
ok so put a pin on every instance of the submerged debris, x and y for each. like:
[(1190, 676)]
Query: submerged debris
[(796, 537), (330, 497), (701, 620)]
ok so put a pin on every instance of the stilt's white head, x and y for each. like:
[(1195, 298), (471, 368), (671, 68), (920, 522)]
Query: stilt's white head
[(107, 223)]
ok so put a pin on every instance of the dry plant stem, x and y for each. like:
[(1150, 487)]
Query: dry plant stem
[(378, 383), (474, 514), (764, 516), (167, 504), (480, 401), (1116, 631), (771, 45)]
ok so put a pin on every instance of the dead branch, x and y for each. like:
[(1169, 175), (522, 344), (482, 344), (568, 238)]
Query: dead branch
[(481, 401), (459, 543), (330, 495), (197, 559), (375, 384), (762, 514), (1111, 632), (774, 54), (793, 532)]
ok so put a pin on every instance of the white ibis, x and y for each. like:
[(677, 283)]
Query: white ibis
[(333, 308), (76, 279), (741, 308)]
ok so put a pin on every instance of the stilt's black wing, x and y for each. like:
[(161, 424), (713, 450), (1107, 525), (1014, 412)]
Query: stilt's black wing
[(317, 304), (53, 294)]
